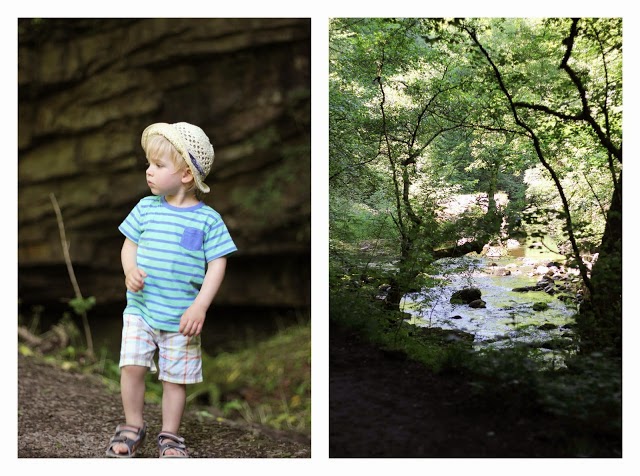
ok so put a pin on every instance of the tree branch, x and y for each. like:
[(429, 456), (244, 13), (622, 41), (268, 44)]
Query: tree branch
[(586, 110), (536, 144), (72, 274), (538, 107)]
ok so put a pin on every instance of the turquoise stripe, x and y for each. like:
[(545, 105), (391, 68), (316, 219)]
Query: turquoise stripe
[(219, 245), (221, 254), (190, 292), (219, 224), (189, 299), (162, 306), (128, 235), (130, 232), (170, 271), (193, 264), (174, 274), (177, 233), (188, 220), (178, 252), (184, 284)]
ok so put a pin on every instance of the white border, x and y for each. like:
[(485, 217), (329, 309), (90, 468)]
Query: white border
[(320, 12)]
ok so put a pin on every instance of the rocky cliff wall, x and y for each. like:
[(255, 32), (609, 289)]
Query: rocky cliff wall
[(88, 88)]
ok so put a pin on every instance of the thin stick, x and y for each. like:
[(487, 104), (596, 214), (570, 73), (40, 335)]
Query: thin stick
[(72, 275)]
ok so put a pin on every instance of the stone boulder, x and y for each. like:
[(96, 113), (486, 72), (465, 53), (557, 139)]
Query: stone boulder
[(478, 304), (465, 296), (540, 306)]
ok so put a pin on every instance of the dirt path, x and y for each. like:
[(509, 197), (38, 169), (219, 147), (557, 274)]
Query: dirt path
[(382, 405), (71, 415)]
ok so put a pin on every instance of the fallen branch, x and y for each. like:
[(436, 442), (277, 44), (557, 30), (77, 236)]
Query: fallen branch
[(32, 340), (55, 339)]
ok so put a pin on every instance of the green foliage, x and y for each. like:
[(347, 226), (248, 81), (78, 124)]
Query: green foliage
[(269, 383), (417, 117), (355, 225), (413, 52), (82, 305), (587, 391), (355, 309), (510, 375), (545, 215)]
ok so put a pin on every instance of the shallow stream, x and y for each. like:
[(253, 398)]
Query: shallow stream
[(509, 316)]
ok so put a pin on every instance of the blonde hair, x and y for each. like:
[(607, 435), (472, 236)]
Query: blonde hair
[(158, 145)]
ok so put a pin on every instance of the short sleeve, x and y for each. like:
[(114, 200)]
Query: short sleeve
[(131, 227), (218, 242)]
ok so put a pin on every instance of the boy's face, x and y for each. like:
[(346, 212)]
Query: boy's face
[(163, 177)]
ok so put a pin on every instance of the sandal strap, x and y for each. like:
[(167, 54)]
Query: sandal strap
[(170, 436), (132, 444), (132, 429), (174, 442)]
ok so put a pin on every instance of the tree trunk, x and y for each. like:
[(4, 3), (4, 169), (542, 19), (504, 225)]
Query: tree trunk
[(492, 218), (600, 317), (401, 283)]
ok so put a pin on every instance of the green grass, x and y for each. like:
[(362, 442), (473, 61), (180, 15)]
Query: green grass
[(269, 383)]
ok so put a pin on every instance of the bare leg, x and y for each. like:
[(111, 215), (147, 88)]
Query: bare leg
[(132, 390), (173, 401)]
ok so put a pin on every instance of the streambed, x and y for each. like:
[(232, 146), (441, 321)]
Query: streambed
[(508, 318)]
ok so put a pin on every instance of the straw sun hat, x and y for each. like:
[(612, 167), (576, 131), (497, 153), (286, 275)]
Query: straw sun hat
[(192, 144)]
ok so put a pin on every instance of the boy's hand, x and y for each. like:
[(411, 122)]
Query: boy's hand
[(134, 280), (192, 321)]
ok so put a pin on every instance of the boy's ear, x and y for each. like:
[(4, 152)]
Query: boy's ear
[(187, 176)]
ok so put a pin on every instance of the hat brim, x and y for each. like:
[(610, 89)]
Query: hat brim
[(173, 136)]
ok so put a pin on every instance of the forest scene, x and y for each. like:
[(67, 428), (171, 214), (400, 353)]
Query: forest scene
[(87, 88), (475, 205)]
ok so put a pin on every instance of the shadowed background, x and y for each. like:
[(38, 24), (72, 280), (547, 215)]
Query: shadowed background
[(88, 88)]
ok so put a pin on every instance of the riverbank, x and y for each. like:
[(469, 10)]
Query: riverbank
[(385, 405)]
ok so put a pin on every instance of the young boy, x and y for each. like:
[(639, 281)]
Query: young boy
[(174, 260)]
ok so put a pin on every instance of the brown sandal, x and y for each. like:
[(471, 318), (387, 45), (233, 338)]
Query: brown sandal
[(168, 440), (133, 444)]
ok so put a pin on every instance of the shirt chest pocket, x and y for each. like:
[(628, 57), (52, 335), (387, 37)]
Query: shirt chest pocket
[(192, 239)]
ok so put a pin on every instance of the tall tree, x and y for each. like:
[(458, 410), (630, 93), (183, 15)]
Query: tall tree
[(587, 101), (425, 107)]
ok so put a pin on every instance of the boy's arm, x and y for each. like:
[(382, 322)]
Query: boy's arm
[(193, 318), (134, 276)]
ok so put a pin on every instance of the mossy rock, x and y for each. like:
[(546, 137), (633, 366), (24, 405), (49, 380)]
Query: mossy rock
[(540, 306), (465, 296)]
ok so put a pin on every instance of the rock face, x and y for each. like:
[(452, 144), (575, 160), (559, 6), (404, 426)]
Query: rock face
[(88, 88)]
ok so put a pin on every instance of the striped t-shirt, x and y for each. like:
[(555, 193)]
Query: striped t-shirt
[(174, 246)]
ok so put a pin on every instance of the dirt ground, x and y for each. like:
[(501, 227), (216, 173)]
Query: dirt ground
[(383, 405), (65, 414)]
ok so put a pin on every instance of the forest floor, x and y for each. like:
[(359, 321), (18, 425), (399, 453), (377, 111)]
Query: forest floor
[(67, 414), (383, 405)]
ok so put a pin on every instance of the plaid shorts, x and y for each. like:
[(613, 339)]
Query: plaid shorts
[(179, 356)]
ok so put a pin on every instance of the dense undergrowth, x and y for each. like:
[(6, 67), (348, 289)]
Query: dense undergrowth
[(586, 392)]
